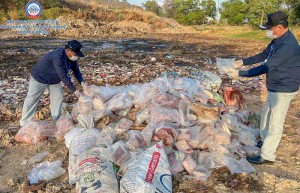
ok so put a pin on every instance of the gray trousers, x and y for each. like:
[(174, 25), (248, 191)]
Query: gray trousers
[(34, 94), (271, 123)]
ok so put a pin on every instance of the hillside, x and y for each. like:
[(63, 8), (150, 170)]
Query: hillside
[(99, 18)]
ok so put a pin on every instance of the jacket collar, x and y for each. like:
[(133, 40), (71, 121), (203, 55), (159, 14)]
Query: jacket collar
[(284, 36)]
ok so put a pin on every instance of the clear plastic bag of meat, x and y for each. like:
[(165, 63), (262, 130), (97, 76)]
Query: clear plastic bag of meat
[(85, 104), (183, 146), (64, 124), (165, 100), (142, 116), (222, 138), (184, 133), (184, 111), (120, 153), (195, 136), (147, 133), (247, 138), (46, 171), (189, 164), (187, 85), (135, 140), (201, 173), (239, 166), (205, 132), (225, 65), (175, 160), (35, 132), (107, 136), (209, 80), (166, 132), (75, 112), (107, 92), (85, 121), (161, 114), (98, 103), (147, 91), (251, 150), (123, 125), (92, 90), (211, 160), (99, 114), (119, 102)]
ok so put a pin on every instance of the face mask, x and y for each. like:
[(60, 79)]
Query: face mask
[(270, 34), (74, 58)]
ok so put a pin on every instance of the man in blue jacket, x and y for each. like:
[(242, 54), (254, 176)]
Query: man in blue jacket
[(52, 69), (280, 61)]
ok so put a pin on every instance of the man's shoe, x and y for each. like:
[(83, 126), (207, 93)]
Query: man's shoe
[(259, 144), (257, 160), (13, 129)]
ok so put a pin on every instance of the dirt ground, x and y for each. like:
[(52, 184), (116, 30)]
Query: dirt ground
[(175, 52)]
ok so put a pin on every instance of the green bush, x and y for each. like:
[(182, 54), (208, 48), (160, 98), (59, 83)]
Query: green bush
[(22, 15), (47, 4), (53, 13)]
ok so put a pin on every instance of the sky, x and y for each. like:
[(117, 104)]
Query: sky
[(140, 2)]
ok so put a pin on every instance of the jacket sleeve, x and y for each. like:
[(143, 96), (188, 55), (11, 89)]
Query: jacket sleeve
[(258, 57), (280, 56), (256, 71), (77, 72), (62, 73)]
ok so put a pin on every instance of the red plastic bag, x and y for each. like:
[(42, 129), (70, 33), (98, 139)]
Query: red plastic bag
[(233, 97)]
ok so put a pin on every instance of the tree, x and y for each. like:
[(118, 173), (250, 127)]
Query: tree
[(152, 6), (169, 8), (234, 11), (208, 7), (295, 15), (292, 8), (188, 12), (258, 10)]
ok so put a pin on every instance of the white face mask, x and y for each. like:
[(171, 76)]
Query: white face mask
[(74, 58), (270, 34)]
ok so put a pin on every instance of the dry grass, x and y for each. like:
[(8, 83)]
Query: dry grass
[(107, 12), (240, 32), (13, 14), (296, 32)]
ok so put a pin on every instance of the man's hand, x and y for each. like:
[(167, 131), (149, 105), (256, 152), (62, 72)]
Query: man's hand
[(83, 84), (233, 73), (237, 64), (77, 93)]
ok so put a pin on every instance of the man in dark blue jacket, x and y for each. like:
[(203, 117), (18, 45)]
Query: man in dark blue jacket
[(280, 61), (52, 69)]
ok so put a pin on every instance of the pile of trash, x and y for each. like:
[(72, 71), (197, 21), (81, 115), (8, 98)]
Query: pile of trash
[(170, 125)]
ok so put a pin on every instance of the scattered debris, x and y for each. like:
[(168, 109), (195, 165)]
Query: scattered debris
[(46, 171)]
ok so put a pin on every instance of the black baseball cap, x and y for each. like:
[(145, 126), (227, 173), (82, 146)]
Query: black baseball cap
[(75, 46), (274, 19)]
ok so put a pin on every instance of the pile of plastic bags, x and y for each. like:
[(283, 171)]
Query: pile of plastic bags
[(185, 127)]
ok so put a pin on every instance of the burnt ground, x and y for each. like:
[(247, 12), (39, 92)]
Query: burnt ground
[(116, 57)]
